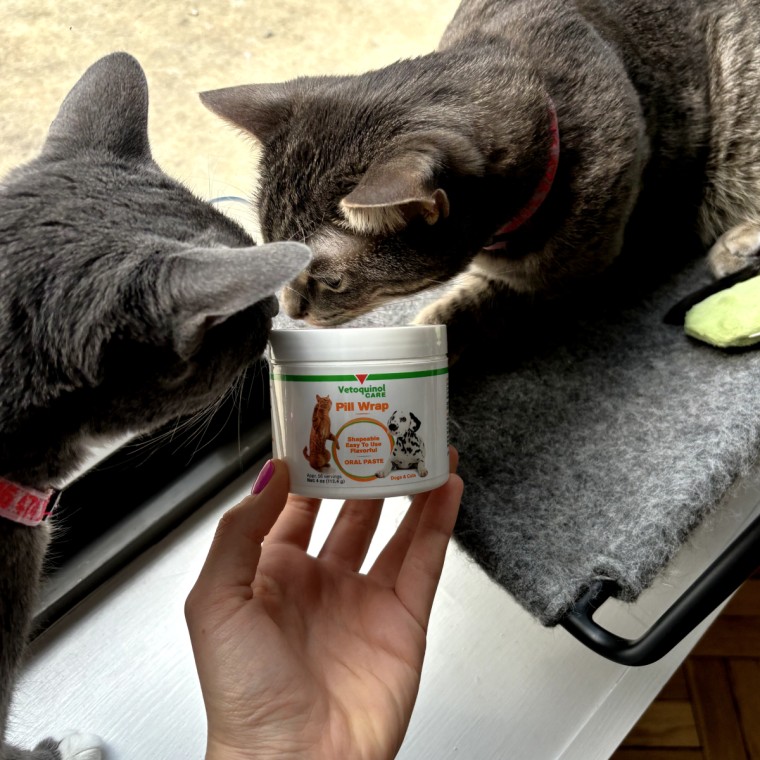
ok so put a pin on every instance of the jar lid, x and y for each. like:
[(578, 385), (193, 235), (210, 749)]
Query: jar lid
[(357, 343)]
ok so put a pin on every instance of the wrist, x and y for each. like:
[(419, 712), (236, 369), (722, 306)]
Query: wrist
[(216, 750)]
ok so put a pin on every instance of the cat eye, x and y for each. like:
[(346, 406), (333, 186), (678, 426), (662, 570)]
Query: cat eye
[(332, 283)]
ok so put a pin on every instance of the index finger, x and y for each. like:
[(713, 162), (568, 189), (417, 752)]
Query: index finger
[(231, 563)]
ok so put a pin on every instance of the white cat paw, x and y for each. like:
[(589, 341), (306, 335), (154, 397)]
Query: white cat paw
[(439, 312), (81, 747), (735, 249)]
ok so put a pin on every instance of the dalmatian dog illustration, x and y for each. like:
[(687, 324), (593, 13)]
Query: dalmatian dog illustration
[(409, 450)]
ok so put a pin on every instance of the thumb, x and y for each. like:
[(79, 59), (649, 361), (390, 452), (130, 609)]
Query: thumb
[(230, 566)]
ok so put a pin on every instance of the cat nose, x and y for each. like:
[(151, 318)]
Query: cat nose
[(294, 302), (296, 308)]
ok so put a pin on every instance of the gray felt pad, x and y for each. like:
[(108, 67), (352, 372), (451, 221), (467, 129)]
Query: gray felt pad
[(595, 454)]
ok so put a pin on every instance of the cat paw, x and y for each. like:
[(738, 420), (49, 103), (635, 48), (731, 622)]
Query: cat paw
[(735, 250), (437, 313), (478, 309), (444, 313), (77, 746)]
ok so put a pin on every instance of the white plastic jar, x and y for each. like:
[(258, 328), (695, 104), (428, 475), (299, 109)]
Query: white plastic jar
[(361, 412)]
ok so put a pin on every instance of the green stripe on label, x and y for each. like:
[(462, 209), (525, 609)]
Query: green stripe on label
[(353, 378)]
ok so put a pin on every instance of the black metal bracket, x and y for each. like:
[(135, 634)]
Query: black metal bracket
[(714, 586)]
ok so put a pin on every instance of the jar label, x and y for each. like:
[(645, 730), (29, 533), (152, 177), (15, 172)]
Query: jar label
[(365, 430)]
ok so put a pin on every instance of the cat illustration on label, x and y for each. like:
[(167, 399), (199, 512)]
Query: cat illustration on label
[(316, 452), (409, 448)]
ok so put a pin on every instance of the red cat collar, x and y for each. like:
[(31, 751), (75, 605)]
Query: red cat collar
[(541, 191), (25, 505)]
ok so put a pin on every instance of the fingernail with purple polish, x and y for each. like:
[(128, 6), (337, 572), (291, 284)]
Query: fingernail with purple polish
[(264, 477)]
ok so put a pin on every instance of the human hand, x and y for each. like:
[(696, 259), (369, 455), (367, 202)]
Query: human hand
[(302, 656)]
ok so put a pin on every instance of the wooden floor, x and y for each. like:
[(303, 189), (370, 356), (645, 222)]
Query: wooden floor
[(710, 709)]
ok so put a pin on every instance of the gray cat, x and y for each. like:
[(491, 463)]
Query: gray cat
[(539, 138), (126, 301)]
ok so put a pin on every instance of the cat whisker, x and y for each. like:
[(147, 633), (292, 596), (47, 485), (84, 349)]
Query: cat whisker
[(208, 415), (155, 440), (239, 406), (200, 418), (293, 290), (153, 443)]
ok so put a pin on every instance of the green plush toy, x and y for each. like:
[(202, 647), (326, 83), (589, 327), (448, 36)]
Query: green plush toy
[(729, 318)]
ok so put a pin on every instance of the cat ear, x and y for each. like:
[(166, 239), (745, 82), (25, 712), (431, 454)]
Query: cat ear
[(393, 192), (256, 108), (107, 109), (208, 285)]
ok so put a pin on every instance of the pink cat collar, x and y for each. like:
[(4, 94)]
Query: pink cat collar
[(541, 191), (24, 505)]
